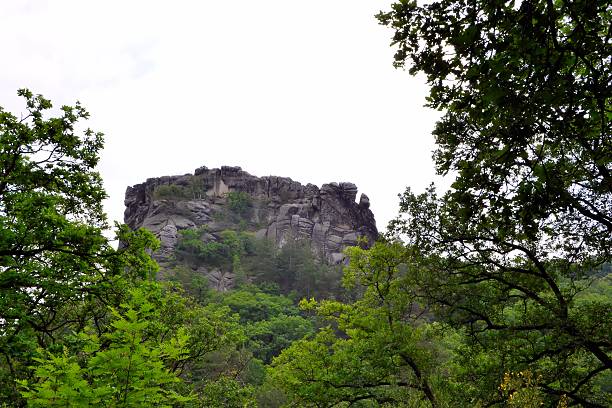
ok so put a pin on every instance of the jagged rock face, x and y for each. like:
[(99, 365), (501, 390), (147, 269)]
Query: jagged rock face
[(282, 209)]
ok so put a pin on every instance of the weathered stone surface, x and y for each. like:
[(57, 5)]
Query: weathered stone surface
[(219, 280), (283, 209), (168, 239), (364, 201)]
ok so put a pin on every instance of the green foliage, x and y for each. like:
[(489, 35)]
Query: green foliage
[(294, 268), (227, 392), (262, 265), (63, 384), (56, 266), (239, 243), (171, 191), (50, 214), (268, 338), (196, 187), (215, 348), (148, 345), (523, 311), (271, 322), (253, 305), (239, 203), (521, 390), (297, 267), (384, 350), (380, 351), (226, 251), (126, 366), (526, 129), (82, 324), (193, 189), (270, 396), (194, 284)]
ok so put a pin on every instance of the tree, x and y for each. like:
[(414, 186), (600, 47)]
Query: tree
[(253, 305), (127, 366), (263, 266), (377, 351), (50, 216), (267, 338), (157, 348), (56, 266), (525, 87), (271, 322), (227, 392), (240, 204)]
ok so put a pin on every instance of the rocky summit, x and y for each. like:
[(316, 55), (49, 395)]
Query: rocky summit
[(274, 208)]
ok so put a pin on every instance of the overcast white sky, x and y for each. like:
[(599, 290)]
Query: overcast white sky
[(302, 89)]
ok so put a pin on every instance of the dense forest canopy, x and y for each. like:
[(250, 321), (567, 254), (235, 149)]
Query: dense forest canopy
[(496, 292)]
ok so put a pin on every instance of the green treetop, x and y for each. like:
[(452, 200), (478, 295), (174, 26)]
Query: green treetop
[(525, 88), (57, 270)]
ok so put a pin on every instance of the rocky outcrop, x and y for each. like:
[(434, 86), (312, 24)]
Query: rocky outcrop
[(281, 209)]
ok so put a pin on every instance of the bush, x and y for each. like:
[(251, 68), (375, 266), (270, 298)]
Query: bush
[(239, 203), (170, 191), (194, 189), (225, 252)]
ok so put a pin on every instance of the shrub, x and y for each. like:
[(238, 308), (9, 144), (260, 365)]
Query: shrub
[(170, 191), (239, 203)]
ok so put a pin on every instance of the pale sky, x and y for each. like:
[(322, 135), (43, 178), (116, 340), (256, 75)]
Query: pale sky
[(300, 89)]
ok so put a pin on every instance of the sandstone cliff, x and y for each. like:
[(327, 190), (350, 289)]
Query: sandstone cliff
[(280, 209)]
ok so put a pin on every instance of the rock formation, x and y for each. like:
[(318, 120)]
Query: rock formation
[(280, 209)]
